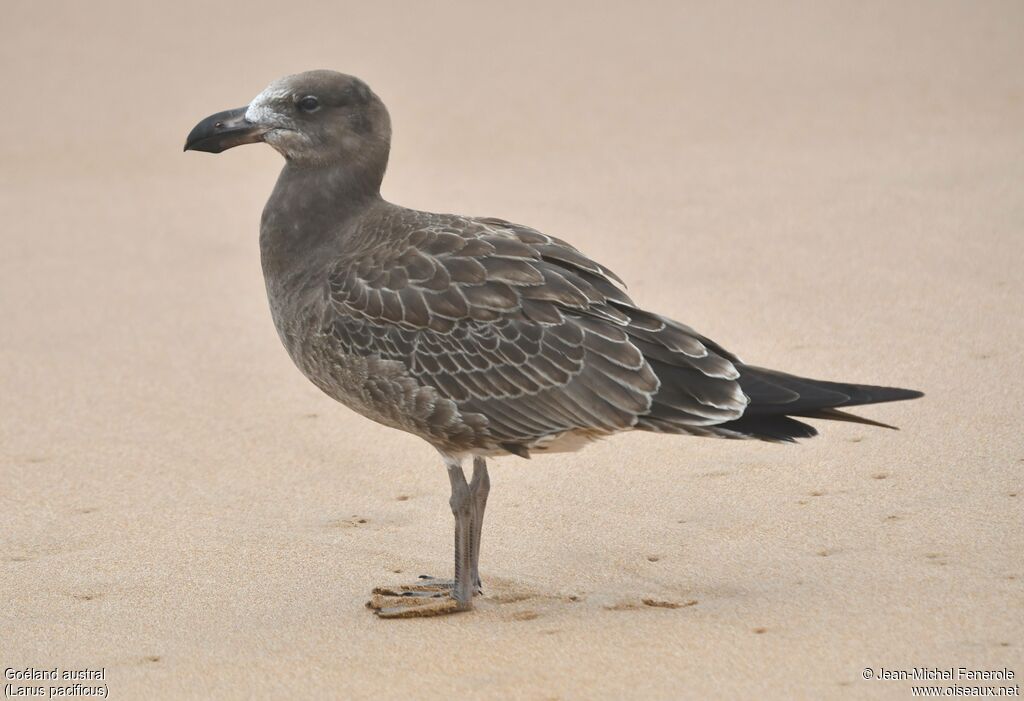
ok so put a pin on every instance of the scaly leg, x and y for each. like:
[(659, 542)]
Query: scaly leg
[(479, 487), (431, 597)]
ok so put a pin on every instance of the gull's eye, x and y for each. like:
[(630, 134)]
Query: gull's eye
[(309, 104)]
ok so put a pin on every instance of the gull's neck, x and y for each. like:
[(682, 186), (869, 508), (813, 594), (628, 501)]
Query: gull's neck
[(310, 210)]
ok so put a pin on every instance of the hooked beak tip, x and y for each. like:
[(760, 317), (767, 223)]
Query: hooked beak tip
[(222, 131)]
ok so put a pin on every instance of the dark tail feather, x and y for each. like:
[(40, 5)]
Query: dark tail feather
[(775, 397), (778, 428), (836, 415), (774, 392)]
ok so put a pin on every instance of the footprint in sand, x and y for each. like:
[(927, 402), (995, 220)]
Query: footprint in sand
[(650, 603), (662, 604), (354, 522), (88, 596), (525, 615)]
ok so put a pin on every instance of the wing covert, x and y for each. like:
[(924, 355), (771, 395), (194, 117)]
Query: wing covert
[(524, 329)]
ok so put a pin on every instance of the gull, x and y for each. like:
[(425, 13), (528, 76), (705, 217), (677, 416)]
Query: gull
[(480, 336)]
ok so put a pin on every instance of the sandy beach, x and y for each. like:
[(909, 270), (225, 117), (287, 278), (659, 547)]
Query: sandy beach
[(831, 189)]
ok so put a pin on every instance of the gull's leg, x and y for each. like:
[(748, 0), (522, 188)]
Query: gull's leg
[(463, 508), (479, 487), (432, 597)]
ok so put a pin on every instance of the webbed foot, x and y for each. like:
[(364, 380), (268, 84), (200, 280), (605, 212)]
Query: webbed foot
[(428, 596)]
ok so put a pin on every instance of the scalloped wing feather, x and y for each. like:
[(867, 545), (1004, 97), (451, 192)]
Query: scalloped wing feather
[(525, 331)]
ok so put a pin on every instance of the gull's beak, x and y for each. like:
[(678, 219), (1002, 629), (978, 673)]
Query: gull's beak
[(224, 130)]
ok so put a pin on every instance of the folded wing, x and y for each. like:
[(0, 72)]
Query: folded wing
[(526, 331)]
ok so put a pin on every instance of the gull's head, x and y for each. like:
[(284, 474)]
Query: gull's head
[(313, 119)]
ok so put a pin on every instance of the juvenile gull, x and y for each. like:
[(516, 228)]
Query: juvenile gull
[(481, 336)]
